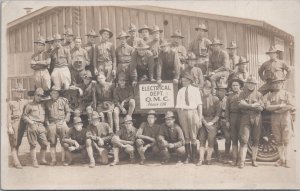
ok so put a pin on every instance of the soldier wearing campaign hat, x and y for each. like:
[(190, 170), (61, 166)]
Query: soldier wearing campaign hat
[(250, 107), (142, 64), (123, 141), (106, 56), (58, 115), (79, 61), (211, 114), (133, 38), (179, 48), (61, 57), (34, 116), (49, 48), (74, 140), (40, 62), (90, 47), (272, 70), (145, 33), (170, 139), (123, 55), (233, 57), (199, 47), (189, 109), (69, 39), (98, 139), (16, 126)]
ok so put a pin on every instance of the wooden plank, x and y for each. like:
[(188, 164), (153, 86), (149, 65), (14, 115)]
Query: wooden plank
[(159, 20), (42, 21), (12, 41), (89, 19), (230, 27), (212, 29), (241, 39), (24, 38), (176, 23), (54, 24), (193, 24), (29, 36), (222, 33), (119, 23), (18, 40), (97, 21), (48, 26), (168, 24), (104, 17), (76, 20), (126, 18), (112, 23), (133, 18), (35, 33), (61, 27), (83, 22), (185, 30), (68, 17), (142, 19), (150, 19)]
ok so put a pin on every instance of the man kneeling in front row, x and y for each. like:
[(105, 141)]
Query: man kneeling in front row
[(123, 141), (170, 139), (74, 140)]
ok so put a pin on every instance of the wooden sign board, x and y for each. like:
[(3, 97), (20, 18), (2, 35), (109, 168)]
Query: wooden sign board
[(151, 96)]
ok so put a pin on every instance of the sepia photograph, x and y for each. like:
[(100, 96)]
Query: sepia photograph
[(149, 95)]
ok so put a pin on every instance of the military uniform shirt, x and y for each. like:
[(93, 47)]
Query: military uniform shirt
[(43, 60), (79, 136), (146, 130), (61, 57), (106, 52), (123, 54), (57, 109), (102, 130), (127, 134), (121, 94), (211, 108), (104, 93), (273, 70), (250, 98), (140, 65), (199, 46), (133, 41), (168, 66), (232, 104), (172, 134), (233, 60), (218, 59), (35, 112)]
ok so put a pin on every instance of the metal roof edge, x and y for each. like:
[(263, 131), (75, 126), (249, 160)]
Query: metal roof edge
[(29, 16)]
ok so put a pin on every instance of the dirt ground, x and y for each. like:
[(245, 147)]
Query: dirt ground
[(150, 176)]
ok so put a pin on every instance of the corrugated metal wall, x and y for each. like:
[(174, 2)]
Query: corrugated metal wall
[(251, 41)]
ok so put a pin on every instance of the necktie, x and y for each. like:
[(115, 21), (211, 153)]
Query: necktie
[(187, 102)]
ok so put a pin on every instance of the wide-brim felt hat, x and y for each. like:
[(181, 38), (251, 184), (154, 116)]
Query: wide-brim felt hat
[(57, 37), (106, 30), (251, 79), (127, 118), (69, 32), (49, 39), (216, 42), (177, 34), (272, 49), (235, 79), (122, 34), (132, 27), (143, 28), (156, 29), (106, 106), (92, 33), (242, 60), (169, 114), (191, 56), (151, 112), (141, 45), (201, 27), (232, 45)]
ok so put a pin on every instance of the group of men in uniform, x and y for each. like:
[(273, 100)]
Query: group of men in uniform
[(216, 93)]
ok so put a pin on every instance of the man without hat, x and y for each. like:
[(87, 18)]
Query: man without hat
[(170, 139), (34, 116), (98, 139), (124, 141), (250, 106), (16, 126), (58, 115), (189, 109), (40, 62)]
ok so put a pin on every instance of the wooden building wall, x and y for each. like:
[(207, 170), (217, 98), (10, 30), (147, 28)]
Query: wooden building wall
[(252, 42)]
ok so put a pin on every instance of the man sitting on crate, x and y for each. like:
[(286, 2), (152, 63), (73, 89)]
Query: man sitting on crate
[(98, 139), (74, 140), (170, 139), (146, 137)]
